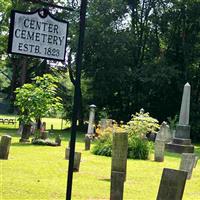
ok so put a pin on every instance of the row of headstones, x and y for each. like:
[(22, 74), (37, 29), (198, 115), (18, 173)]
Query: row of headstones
[(172, 182), (188, 160)]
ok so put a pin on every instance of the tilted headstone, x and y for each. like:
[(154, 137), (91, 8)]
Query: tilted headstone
[(159, 150), (117, 185), (164, 133), (187, 163), (5, 146), (77, 159), (172, 184), (118, 166)]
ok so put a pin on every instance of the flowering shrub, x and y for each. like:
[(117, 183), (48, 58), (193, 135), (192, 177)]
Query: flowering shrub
[(137, 128)]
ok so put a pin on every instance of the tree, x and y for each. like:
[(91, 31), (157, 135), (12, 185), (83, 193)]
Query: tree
[(37, 100)]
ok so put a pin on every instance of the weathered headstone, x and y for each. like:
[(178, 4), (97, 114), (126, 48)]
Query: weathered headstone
[(196, 160), (118, 166), (119, 152), (87, 142), (164, 133), (172, 184), (67, 153), (159, 150), (90, 130), (91, 120), (182, 142), (5, 146), (77, 161), (117, 185), (187, 163)]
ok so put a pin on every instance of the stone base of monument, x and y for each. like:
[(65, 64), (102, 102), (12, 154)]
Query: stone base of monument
[(180, 145), (182, 142)]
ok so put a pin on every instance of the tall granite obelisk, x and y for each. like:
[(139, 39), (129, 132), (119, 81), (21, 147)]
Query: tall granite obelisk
[(181, 142)]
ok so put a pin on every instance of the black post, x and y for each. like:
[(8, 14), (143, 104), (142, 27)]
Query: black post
[(76, 97)]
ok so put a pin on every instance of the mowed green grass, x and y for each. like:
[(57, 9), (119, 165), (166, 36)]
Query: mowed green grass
[(40, 172)]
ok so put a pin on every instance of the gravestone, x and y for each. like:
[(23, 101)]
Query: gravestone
[(159, 150), (118, 166), (172, 184), (181, 142), (164, 133), (67, 153), (5, 146), (77, 159), (87, 142), (119, 152), (187, 163), (117, 185), (196, 160), (90, 130)]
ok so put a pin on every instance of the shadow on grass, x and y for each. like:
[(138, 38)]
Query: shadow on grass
[(18, 144), (105, 179)]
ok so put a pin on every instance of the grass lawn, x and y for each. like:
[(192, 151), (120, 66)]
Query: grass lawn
[(40, 172)]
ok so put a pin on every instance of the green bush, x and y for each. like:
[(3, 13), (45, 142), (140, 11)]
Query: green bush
[(103, 146), (137, 128), (138, 148)]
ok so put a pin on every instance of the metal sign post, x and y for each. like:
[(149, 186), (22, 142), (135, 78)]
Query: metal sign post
[(76, 97), (39, 34)]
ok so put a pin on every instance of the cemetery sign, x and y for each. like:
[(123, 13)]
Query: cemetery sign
[(38, 34)]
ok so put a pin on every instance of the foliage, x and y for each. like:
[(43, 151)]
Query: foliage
[(141, 124), (38, 99), (137, 128), (139, 148), (173, 122), (103, 145)]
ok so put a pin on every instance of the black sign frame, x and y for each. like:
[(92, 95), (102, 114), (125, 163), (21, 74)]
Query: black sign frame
[(46, 13)]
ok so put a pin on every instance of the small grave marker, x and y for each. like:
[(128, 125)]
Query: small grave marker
[(5, 146), (187, 163), (159, 150)]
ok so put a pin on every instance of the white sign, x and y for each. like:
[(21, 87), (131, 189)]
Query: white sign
[(38, 35)]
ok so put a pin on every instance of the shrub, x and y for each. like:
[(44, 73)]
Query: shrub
[(137, 128), (138, 148), (103, 145)]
